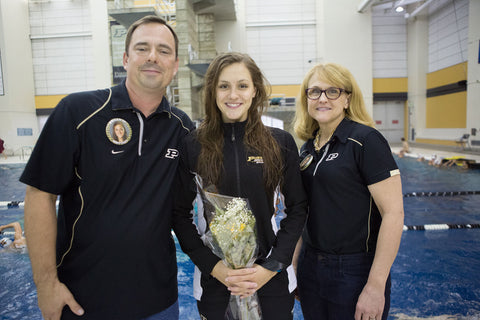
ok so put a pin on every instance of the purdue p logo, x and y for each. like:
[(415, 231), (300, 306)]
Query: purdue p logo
[(332, 156), (171, 153)]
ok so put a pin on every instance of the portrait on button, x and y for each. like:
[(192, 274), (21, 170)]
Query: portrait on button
[(119, 131)]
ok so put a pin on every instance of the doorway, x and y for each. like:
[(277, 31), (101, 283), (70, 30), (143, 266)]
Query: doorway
[(389, 118)]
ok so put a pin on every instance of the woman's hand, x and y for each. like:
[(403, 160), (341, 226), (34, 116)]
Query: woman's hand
[(238, 281), (255, 280), (242, 282)]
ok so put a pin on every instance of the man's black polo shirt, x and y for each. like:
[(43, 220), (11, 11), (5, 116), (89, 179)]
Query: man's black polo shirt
[(115, 251), (343, 217)]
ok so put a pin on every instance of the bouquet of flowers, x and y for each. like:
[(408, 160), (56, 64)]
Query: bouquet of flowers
[(232, 237)]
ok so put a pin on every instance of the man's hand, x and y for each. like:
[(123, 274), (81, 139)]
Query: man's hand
[(52, 297), (371, 302)]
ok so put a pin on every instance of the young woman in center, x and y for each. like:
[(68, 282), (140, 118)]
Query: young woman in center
[(239, 156)]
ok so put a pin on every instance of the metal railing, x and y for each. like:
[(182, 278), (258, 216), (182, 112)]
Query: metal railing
[(164, 8)]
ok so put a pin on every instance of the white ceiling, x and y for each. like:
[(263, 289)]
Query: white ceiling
[(386, 4), (411, 7)]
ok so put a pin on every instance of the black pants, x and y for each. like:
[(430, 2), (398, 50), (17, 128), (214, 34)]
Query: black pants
[(329, 285), (273, 308)]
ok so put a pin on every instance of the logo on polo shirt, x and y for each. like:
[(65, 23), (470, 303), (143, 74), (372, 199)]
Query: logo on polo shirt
[(332, 156), (171, 153), (118, 131)]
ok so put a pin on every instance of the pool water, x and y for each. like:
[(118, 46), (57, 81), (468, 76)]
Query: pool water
[(435, 273), (10, 188), (420, 177)]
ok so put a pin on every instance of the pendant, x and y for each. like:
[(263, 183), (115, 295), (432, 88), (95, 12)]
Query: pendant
[(306, 162)]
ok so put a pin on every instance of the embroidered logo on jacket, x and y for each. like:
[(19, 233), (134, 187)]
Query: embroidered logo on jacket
[(171, 153), (118, 131), (332, 156), (255, 159)]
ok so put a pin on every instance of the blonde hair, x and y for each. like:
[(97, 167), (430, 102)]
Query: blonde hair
[(304, 125)]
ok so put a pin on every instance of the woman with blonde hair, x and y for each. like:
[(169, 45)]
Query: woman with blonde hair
[(304, 124), (355, 205)]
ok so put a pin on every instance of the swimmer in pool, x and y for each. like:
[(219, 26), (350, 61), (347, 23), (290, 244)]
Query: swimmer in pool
[(18, 241)]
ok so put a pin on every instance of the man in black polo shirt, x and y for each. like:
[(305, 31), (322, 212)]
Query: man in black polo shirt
[(110, 254)]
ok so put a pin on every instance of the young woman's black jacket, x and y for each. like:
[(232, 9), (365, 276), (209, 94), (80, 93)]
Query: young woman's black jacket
[(244, 178)]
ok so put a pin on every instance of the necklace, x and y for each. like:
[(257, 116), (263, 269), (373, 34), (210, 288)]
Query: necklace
[(317, 144)]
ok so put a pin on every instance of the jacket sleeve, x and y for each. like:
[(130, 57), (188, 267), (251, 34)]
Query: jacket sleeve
[(183, 224), (292, 225)]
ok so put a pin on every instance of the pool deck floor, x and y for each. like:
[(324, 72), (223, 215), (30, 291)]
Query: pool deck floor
[(426, 151), (12, 159)]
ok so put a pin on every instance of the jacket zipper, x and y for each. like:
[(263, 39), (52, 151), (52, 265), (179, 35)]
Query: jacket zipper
[(321, 159), (140, 135), (237, 165)]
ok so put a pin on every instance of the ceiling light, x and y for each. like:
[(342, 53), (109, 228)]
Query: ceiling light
[(399, 9)]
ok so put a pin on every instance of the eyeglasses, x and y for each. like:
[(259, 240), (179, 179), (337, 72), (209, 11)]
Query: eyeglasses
[(331, 93)]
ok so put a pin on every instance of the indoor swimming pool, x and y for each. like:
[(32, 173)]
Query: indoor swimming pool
[(435, 274)]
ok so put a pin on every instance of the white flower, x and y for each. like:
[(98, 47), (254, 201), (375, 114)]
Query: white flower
[(233, 229)]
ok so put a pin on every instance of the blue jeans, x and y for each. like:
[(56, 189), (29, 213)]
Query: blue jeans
[(329, 285), (171, 313)]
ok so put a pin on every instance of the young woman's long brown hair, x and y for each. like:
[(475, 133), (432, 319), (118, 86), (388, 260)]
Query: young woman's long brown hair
[(257, 137)]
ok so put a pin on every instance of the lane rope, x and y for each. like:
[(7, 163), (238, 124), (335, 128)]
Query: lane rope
[(11, 204), (427, 227), (15, 204), (424, 227), (439, 194)]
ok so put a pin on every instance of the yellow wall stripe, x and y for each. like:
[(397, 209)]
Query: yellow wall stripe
[(287, 90), (447, 111), (386, 85), (143, 2), (437, 142), (48, 102), (448, 75)]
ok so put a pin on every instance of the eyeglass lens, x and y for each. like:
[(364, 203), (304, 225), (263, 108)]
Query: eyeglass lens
[(331, 93)]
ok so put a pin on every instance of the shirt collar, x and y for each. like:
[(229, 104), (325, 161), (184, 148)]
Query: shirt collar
[(121, 100), (343, 130), (236, 127)]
